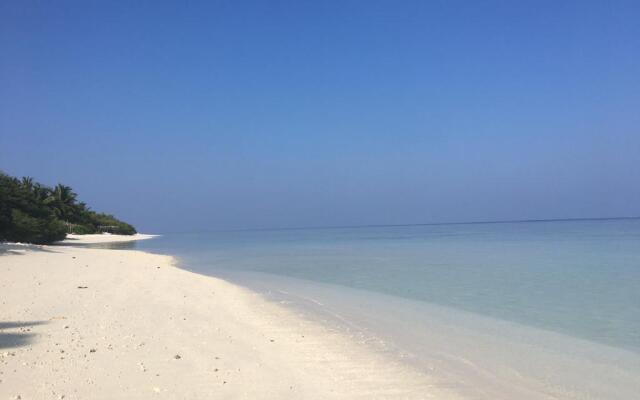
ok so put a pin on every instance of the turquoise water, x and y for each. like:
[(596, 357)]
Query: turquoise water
[(527, 310), (581, 278)]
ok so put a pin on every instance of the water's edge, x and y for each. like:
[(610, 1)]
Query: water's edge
[(478, 356)]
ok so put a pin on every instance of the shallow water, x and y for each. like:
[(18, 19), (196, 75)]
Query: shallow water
[(527, 310)]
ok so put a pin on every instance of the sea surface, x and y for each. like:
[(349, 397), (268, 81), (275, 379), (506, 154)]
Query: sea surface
[(547, 309)]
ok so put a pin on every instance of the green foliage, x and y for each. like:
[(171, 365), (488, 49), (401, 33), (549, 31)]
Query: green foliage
[(36, 230), (109, 223), (82, 229), (34, 213)]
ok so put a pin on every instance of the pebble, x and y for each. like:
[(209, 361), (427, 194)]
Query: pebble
[(177, 356)]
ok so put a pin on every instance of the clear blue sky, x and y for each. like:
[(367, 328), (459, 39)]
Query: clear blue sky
[(186, 115)]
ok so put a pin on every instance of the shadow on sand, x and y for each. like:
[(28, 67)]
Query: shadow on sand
[(105, 245), (17, 339), (8, 249)]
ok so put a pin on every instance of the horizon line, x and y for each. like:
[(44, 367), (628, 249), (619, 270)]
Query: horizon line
[(416, 224)]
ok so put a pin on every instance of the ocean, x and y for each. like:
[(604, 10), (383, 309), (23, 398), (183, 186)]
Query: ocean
[(542, 309)]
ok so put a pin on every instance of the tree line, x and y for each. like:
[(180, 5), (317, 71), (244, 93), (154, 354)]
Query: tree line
[(34, 213)]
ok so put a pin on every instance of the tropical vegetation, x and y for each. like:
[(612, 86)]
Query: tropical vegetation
[(34, 213)]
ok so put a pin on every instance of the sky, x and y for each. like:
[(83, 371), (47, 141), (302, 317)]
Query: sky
[(188, 116)]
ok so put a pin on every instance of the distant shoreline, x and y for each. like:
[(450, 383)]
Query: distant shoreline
[(72, 239)]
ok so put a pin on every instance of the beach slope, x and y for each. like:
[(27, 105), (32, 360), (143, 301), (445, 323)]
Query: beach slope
[(81, 323)]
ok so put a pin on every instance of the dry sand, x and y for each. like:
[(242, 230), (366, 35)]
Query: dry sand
[(80, 323)]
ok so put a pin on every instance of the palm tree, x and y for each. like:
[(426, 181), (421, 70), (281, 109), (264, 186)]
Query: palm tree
[(42, 193), (27, 183), (63, 201)]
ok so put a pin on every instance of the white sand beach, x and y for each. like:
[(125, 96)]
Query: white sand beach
[(81, 323), (104, 238)]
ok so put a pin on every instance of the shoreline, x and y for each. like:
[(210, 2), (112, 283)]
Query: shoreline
[(72, 239), (478, 355), (93, 323), (273, 337), (482, 356)]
